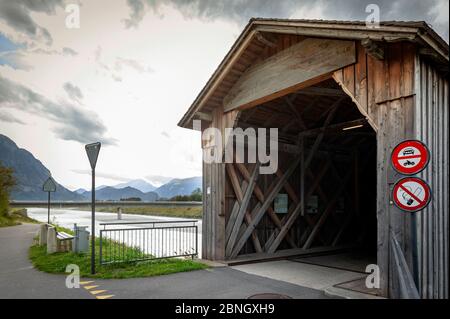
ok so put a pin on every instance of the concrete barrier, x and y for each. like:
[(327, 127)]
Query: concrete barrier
[(43, 235), (51, 240)]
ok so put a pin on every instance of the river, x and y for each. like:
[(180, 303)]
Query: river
[(68, 217)]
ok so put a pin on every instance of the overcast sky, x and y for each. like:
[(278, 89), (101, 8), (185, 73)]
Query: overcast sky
[(131, 70)]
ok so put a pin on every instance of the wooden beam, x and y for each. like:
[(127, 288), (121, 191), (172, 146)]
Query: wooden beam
[(267, 202), (264, 40), (326, 212), (314, 148), (375, 49), (273, 242), (203, 116), (260, 196), (333, 128), (301, 65), (314, 90), (242, 210)]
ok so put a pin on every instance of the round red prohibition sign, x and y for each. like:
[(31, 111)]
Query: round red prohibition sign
[(411, 194), (410, 157)]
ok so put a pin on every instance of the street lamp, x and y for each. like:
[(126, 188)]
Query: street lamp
[(49, 187), (92, 151)]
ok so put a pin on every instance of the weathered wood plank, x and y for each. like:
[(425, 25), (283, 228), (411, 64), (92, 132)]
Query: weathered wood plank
[(242, 210), (301, 65)]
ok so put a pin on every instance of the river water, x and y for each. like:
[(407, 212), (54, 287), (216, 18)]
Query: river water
[(68, 217)]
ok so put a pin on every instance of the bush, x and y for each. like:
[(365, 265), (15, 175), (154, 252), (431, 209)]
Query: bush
[(6, 184), (196, 196)]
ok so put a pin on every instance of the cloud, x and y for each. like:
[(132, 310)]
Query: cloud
[(17, 14), (69, 51), (136, 15), (165, 134), (241, 11), (65, 51), (72, 123), (9, 118), (102, 174), (133, 64), (15, 60), (73, 91)]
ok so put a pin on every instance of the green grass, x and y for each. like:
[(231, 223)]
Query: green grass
[(15, 219), (177, 211), (57, 263)]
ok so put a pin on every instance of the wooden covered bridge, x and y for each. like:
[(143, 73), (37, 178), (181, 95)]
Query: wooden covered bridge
[(342, 95)]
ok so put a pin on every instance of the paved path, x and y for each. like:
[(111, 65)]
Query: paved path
[(19, 280)]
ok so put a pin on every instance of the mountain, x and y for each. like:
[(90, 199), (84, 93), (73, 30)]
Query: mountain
[(112, 193), (80, 191), (179, 187), (30, 174), (139, 184)]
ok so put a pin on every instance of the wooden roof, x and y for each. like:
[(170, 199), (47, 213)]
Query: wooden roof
[(263, 38)]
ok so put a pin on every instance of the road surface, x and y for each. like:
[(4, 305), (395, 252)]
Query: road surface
[(18, 279)]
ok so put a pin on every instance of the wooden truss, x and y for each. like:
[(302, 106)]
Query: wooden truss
[(252, 204)]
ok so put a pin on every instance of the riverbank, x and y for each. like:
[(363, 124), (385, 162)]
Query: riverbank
[(16, 217), (170, 211)]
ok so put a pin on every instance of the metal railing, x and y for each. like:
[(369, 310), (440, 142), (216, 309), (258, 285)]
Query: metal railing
[(147, 240)]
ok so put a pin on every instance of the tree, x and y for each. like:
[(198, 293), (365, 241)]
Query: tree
[(7, 182)]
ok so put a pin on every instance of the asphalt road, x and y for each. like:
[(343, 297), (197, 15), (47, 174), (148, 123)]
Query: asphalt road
[(18, 279)]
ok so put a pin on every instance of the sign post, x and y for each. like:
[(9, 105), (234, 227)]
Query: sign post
[(49, 187), (92, 151)]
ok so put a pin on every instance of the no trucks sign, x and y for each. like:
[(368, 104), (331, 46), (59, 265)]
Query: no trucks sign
[(410, 157), (411, 194)]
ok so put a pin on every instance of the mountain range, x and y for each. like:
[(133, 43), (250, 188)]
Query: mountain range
[(30, 174)]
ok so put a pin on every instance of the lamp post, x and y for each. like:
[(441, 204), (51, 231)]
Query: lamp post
[(49, 187), (92, 151)]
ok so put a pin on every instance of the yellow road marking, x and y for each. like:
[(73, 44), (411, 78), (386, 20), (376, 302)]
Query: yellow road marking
[(96, 292), (104, 297), (90, 287), (85, 282)]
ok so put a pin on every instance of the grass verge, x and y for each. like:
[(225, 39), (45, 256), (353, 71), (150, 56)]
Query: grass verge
[(177, 211), (15, 219), (57, 263)]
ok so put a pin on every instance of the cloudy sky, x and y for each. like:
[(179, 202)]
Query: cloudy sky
[(129, 72)]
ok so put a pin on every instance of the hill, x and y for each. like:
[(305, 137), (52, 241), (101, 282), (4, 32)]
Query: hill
[(112, 193), (179, 186), (30, 174)]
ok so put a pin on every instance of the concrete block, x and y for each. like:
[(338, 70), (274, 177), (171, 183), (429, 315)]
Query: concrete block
[(51, 241), (43, 235)]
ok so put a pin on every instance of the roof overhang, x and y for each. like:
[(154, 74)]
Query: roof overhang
[(418, 32)]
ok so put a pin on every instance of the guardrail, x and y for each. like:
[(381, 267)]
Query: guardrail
[(154, 240), (63, 204)]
